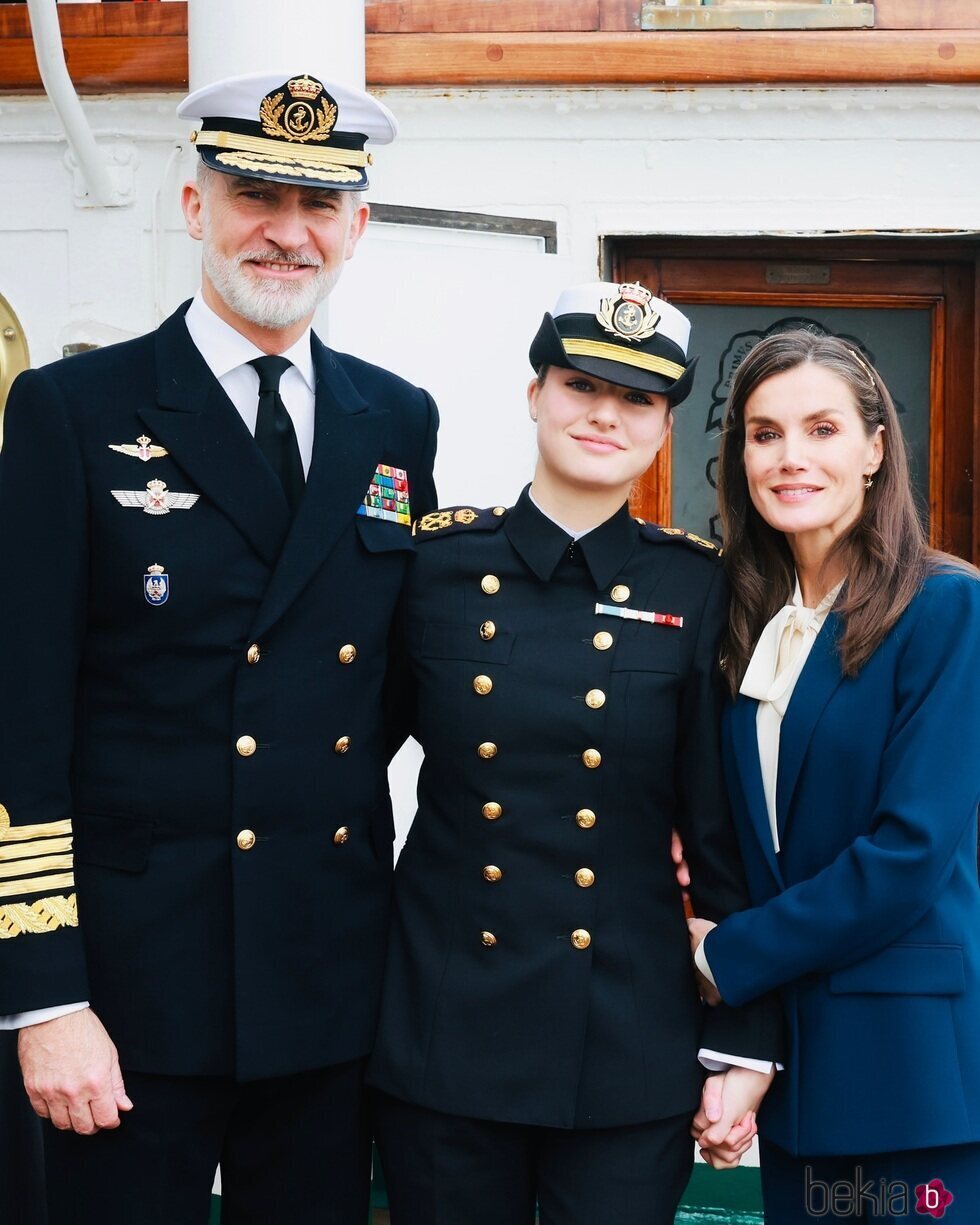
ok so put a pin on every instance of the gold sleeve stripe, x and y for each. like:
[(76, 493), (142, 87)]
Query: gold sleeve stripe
[(618, 353), (47, 914), (22, 833), (44, 863), (22, 850), (37, 884), (239, 142)]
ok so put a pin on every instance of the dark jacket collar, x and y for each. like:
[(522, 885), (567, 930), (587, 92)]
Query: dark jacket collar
[(542, 543)]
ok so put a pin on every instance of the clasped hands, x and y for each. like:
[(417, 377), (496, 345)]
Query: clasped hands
[(725, 1125)]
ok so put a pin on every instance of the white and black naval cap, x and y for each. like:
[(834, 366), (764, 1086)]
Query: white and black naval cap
[(293, 128), (620, 333)]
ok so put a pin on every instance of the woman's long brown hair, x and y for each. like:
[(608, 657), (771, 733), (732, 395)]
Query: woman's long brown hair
[(885, 553)]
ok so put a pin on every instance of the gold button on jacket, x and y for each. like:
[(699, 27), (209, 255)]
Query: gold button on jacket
[(245, 745), (603, 640), (342, 745), (492, 811), (482, 685), (347, 653), (492, 873), (341, 836), (592, 758), (487, 630), (488, 938), (254, 653), (620, 593), (585, 818), (585, 878), (245, 840), (581, 939), (487, 750), (490, 584), (595, 698)]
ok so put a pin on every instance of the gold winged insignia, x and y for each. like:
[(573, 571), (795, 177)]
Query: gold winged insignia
[(142, 449)]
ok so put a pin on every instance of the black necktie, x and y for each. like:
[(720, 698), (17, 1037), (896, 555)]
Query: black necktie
[(274, 431)]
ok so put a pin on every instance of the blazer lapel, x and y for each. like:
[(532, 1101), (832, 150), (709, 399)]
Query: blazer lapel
[(206, 436), (745, 743), (816, 684), (348, 444)]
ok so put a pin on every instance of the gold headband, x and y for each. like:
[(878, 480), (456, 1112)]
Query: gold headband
[(628, 357), (240, 143)]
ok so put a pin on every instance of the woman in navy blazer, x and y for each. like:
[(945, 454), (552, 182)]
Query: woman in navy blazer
[(852, 753)]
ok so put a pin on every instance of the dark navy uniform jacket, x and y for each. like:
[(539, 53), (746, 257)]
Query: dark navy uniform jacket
[(539, 969), (219, 757)]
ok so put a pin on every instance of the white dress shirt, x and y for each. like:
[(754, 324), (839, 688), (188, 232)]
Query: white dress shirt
[(227, 354)]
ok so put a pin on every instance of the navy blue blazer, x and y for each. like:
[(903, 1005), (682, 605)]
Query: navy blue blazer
[(226, 907), (868, 920)]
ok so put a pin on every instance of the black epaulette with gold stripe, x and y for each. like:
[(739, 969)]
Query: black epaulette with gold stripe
[(457, 519), (667, 535)]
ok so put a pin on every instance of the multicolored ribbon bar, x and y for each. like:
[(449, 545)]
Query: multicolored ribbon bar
[(637, 614), (387, 496)]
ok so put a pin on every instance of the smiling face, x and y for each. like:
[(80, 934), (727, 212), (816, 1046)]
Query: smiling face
[(594, 437), (272, 251), (807, 456)]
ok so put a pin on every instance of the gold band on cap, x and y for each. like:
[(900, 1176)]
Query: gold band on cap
[(240, 143), (619, 353)]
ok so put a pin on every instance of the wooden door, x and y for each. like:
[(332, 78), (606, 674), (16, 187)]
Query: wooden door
[(910, 304)]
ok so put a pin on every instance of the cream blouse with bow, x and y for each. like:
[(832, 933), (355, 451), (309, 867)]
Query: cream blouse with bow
[(771, 677)]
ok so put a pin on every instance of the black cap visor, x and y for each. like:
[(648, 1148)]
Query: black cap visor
[(549, 349)]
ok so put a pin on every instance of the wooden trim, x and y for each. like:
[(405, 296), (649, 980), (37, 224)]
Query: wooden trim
[(927, 15), (108, 48), (620, 15), (112, 20), (100, 65), (676, 58), (937, 424), (479, 16)]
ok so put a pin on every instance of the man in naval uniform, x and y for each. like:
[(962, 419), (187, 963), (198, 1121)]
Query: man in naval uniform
[(205, 532)]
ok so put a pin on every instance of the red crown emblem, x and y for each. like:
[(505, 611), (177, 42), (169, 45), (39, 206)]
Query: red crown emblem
[(635, 292), (305, 88)]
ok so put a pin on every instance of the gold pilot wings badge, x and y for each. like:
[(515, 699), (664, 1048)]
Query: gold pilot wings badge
[(156, 499), (142, 449)]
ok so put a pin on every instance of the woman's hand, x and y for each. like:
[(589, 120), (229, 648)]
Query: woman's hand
[(698, 929), (725, 1126)]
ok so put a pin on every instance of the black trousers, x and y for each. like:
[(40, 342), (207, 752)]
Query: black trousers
[(291, 1149), (445, 1170), (21, 1166), (877, 1188)]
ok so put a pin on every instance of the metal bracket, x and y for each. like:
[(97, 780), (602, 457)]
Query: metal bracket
[(121, 160)]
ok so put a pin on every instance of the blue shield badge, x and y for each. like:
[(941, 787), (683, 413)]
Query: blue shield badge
[(156, 585)]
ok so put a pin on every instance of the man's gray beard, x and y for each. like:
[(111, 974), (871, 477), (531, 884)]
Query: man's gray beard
[(267, 303)]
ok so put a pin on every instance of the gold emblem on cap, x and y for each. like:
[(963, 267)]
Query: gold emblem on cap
[(309, 114), (630, 316)]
